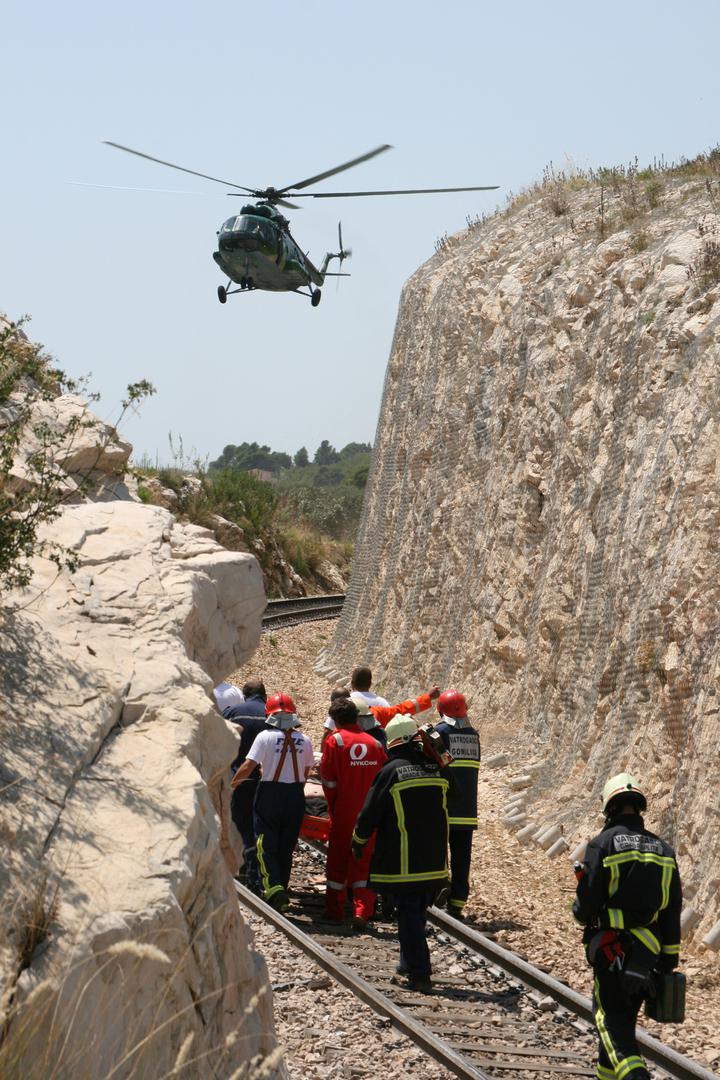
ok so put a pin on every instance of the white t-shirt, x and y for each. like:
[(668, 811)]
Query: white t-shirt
[(226, 695), (266, 751), (372, 699)]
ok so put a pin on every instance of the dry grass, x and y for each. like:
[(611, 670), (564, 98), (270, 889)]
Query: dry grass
[(33, 917), (704, 273), (58, 1030), (624, 193)]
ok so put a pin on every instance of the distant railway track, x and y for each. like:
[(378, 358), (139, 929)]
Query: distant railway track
[(491, 1014), (299, 609)]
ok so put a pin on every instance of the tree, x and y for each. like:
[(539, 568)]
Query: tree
[(359, 476), (327, 475), (302, 459), (28, 377), (354, 448), (326, 454), (252, 456)]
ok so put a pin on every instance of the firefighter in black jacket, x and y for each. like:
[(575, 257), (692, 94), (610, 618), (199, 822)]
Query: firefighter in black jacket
[(463, 742), (629, 899), (407, 806)]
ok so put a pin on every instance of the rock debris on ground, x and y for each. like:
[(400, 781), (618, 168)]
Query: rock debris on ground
[(519, 896), (326, 1031)]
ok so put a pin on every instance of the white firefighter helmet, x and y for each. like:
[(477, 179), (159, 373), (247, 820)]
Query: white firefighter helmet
[(623, 786), (401, 729)]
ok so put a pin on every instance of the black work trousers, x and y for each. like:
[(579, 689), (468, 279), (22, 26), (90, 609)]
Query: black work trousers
[(460, 851), (241, 809), (615, 1016), (411, 909), (278, 813)]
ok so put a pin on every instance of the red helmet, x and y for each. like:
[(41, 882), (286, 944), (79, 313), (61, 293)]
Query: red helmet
[(452, 703), (279, 703)]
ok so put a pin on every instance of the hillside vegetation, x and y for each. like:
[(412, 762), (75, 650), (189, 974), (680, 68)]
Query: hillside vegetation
[(300, 523)]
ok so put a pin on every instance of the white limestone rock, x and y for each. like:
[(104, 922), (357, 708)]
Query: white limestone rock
[(115, 792), (551, 588)]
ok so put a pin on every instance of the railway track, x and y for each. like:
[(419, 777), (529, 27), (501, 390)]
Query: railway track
[(491, 1015), (299, 609)]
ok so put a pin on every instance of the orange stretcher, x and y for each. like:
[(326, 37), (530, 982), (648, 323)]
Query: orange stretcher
[(315, 828)]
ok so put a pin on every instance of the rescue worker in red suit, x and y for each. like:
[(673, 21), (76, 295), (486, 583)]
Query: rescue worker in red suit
[(351, 759)]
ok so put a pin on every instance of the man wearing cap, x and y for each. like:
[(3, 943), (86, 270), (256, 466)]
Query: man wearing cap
[(285, 757), (629, 899), (406, 810)]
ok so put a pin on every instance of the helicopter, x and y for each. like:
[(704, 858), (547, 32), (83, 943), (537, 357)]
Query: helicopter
[(255, 248)]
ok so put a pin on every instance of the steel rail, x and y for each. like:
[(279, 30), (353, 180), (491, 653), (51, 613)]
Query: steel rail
[(422, 1036), (301, 601), (672, 1062), (299, 609)]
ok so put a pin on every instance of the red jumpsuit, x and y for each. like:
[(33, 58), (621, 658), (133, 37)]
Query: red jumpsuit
[(351, 759)]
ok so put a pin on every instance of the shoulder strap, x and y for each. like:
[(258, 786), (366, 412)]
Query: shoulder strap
[(286, 745), (294, 759)]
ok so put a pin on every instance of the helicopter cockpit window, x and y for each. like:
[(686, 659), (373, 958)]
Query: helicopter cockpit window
[(250, 226)]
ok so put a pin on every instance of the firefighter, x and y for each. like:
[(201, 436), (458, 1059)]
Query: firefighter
[(285, 757), (463, 743), (249, 715), (628, 898), (406, 810), (351, 759)]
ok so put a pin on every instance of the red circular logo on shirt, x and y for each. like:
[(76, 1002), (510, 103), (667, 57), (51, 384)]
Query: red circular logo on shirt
[(358, 751)]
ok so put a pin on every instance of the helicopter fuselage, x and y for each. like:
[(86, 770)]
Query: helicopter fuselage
[(255, 245)]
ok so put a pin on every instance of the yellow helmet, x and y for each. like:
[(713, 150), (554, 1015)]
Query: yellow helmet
[(401, 729), (623, 786)]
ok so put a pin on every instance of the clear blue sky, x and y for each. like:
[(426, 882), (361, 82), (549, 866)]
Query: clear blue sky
[(122, 283)]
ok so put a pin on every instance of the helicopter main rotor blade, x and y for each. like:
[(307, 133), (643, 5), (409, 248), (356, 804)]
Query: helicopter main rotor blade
[(291, 188), (180, 168), (122, 187), (404, 191)]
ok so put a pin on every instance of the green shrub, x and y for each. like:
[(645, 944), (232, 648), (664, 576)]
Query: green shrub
[(27, 377)]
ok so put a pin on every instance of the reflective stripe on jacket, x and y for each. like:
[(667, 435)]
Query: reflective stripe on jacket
[(631, 882), (463, 742), (407, 806)]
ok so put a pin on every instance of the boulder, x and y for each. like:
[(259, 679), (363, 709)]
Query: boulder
[(115, 803)]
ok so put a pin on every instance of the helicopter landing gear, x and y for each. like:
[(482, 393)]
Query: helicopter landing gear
[(247, 283), (222, 294), (315, 297)]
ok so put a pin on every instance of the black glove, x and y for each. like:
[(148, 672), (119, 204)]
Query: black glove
[(667, 962), (357, 849)]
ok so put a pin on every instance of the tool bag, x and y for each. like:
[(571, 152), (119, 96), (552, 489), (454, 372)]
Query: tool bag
[(666, 997)]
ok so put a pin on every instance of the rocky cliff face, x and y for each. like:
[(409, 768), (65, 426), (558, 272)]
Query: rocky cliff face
[(541, 525), (123, 951)]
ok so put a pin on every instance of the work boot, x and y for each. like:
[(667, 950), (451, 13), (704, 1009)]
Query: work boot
[(279, 901), (420, 983)]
